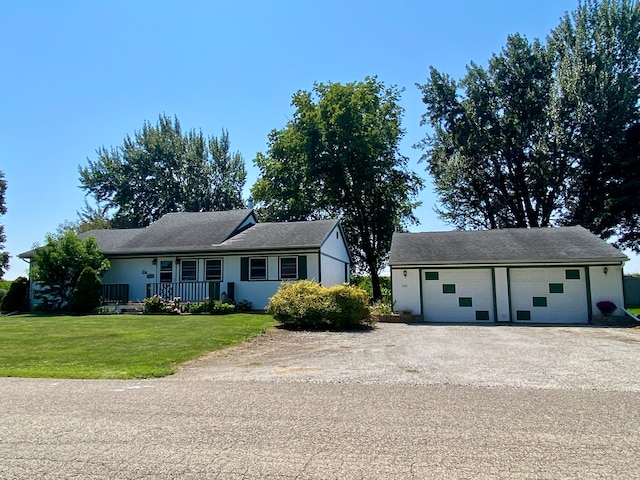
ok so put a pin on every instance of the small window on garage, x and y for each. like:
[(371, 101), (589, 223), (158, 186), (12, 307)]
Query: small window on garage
[(449, 288), (465, 302), (482, 314), (431, 276), (539, 301), (572, 274), (523, 315), (556, 288)]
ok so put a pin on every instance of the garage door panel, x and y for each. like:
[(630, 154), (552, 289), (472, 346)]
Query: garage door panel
[(462, 295), (546, 295)]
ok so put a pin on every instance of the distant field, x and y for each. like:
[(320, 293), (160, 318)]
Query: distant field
[(116, 346)]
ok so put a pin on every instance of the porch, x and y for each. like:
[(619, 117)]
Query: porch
[(189, 291)]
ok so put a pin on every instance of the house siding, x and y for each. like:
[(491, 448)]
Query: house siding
[(406, 290), (334, 257), (607, 286)]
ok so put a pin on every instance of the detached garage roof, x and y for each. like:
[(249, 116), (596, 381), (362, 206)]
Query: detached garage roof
[(513, 245)]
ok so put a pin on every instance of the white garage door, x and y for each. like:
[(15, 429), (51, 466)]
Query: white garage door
[(548, 295), (457, 295)]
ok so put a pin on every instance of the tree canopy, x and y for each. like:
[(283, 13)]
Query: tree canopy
[(162, 170), (57, 265), (339, 157), (4, 256), (545, 134)]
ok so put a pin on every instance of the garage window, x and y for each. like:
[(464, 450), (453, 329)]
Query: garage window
[(572, 274), (431, 276), (556, 288), (465, 302), (482, 314), (449, 288), (523, 315), (539, 301)]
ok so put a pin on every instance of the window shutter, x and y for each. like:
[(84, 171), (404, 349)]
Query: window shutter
[(244, 269), (302, 267)]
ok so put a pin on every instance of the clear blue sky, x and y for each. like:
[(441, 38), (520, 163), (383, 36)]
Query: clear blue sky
[(77, 75)]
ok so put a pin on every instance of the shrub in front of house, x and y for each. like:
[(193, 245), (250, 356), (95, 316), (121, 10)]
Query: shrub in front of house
[(214, 308), (87, 294), (157, 304), (305, 304), (17, 298)]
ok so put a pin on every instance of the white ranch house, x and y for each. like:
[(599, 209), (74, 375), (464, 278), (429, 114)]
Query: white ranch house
[(213, 255)]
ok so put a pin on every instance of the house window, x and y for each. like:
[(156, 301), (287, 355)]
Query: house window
[(431, 276), (289, 268), (482, 314), (572, 274), (213, 270), (556, 288), (539, 301), (523, 315), (258, 268), (465, 302), (188, 271), (449, 288), (166, 271)]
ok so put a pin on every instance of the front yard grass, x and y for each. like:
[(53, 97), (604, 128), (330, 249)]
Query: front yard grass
[(116, 346)]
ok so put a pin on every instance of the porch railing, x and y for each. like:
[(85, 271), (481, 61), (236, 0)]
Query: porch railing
[(187, 291), (115, 293)]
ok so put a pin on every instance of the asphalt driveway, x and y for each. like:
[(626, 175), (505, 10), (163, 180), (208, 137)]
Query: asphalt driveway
[(403, 401)]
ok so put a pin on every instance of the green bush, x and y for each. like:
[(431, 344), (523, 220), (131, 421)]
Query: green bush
[(213, 308), (3, 292), (87, 294), (17, 298), (306, 304), (364, 282)]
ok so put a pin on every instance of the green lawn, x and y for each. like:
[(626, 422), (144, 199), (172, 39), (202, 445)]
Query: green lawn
[(635, 310), (116, 346)]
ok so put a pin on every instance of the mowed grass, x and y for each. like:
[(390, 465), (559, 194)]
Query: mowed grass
[(116, 346)]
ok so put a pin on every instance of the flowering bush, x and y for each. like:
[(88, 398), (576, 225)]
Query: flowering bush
[(156, 304), (606, 307)]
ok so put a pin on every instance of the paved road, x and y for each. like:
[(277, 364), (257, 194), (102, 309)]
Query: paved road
[(290, 406)]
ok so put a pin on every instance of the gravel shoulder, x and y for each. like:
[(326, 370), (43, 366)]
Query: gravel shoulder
[(566, 358)]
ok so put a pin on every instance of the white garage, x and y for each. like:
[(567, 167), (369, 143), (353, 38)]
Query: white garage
[(541, 275)]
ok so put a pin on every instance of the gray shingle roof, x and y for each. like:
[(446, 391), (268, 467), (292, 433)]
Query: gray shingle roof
[(282, 235), (178, 232), (210, 232), (514, 245)]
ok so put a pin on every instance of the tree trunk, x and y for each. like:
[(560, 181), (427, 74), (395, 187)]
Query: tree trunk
[(375, 284)]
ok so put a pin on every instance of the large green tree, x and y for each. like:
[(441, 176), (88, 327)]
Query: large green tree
[(162, 170), (57, 265), (597, 52), (339, 157), (4, 256), (544, 134), (493, 155)]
